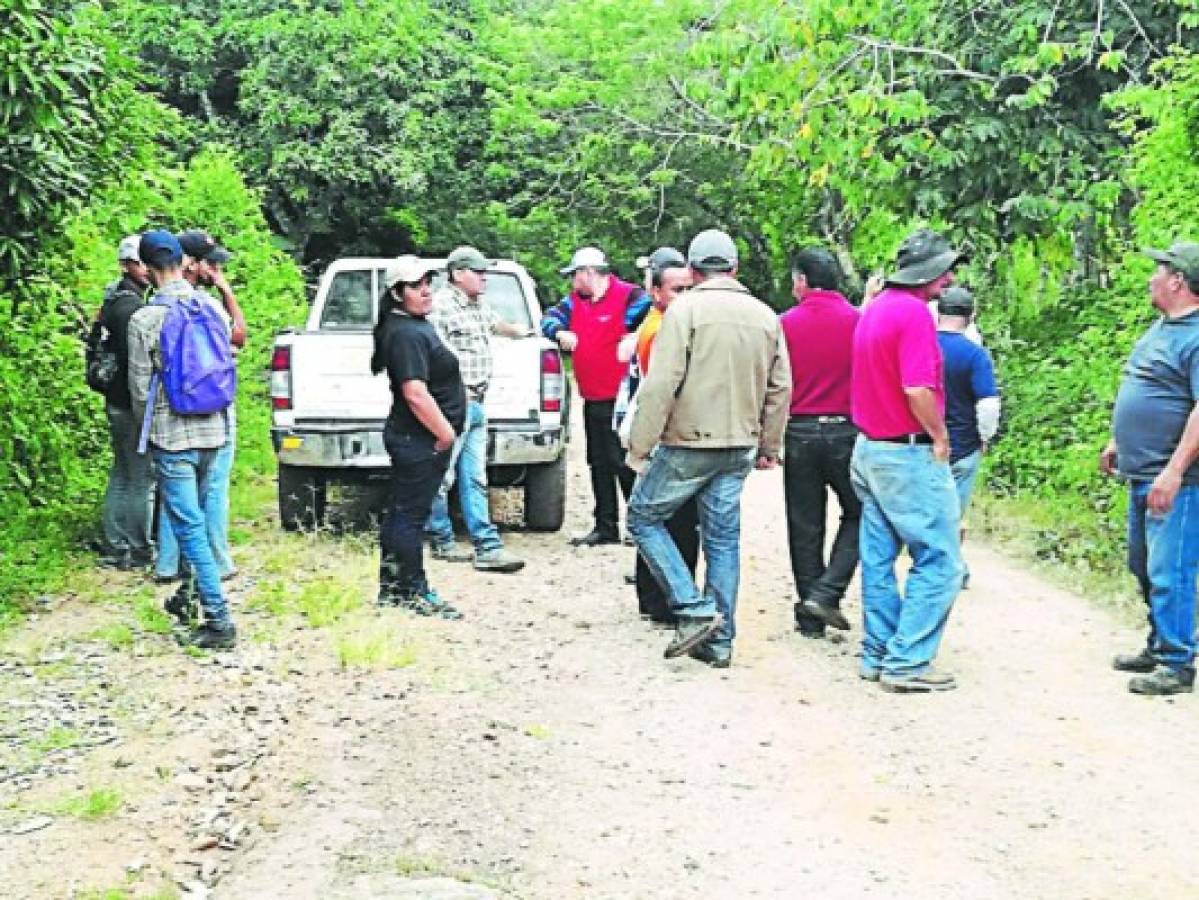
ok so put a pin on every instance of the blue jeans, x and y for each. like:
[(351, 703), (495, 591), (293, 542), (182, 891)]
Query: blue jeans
[(908, 500), (127, 501), (468, 465), (965, 471), (715, 477), (1163, 554), (216, 515), (183, 479)]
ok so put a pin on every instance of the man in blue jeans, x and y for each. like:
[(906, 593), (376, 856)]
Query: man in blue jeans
[(713, 406), (900, 470), (184, 450), (1155, 446), (465, 324)]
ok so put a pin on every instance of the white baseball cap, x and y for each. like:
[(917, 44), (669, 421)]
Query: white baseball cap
[(127, 249), (409, 269), (586, 258)]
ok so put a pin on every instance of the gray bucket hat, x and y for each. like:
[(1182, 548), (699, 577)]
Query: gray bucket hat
[(955, 301), (923, 256)]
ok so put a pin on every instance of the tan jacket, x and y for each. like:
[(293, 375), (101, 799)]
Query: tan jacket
[(721, 376)]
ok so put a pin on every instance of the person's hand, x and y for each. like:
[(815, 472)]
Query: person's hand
[(636, 463), (766, 461), (941, 450), (215, 276), (1162, 492), (1107, 459), (567, 340), (443, 443), (626, 347), (237, 334)]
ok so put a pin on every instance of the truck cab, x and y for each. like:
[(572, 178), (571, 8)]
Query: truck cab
[(328, 409)]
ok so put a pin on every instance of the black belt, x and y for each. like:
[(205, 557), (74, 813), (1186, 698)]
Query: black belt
[(823, 420), (921, 438)]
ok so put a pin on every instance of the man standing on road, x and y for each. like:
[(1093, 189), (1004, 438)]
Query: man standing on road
[(184, 447), (900, 471), (1155, 445), (589, 324), (714, 405), (820, 438), (203, 267), (127, 501), (466, 323), (971, 396)]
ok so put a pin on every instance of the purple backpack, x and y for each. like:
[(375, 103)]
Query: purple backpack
[(198, 371)]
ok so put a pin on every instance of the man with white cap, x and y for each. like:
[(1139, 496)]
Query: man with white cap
[(589, 323), (714, 404), (466, 323), (127, 509)]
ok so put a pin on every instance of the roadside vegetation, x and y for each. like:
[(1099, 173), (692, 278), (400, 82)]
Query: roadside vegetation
[(1051, 140)]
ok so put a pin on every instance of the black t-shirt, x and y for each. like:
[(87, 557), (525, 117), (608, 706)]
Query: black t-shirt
[(121, 302), (414, 352)]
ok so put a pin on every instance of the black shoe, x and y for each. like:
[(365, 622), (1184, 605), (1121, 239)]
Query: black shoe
[(594, 538), (1164, 682), (183, 605), (717, 659), (691, 632), (115, 559), (166, 579), (141, 559), (1135, 662), (826, 613), (209, 637), (807, 625)]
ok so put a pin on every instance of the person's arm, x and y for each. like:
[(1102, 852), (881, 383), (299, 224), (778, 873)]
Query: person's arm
[(237, 334), (428, 413), (555, 325), (1107, 458), (986, 394), (655, 396), (1166, 484), (986, 412), (636, 310), (776, 406), (141, 366), (922, 401), (507, 329)]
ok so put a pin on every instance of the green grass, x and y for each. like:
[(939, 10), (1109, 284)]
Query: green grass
[(326, 601), (374, 646), (93, 805), (411, 866), (57, 738), (150, 616), (118, 635)]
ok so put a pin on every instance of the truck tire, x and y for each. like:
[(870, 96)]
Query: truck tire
[(545, 495), (301, 497)]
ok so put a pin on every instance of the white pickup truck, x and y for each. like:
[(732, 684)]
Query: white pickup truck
[(328, 409)]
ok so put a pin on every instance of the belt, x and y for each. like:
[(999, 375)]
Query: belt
[(823, 420), (920, 438)]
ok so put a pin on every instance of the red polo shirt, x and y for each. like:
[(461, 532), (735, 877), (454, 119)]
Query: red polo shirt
[(819, 333)]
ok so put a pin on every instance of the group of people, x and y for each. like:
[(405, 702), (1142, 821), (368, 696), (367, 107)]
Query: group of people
[(689, 383), (178, 464)]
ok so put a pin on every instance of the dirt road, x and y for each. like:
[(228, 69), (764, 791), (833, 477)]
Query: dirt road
[(543, 748)]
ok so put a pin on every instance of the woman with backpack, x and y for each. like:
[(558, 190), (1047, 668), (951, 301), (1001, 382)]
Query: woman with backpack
[(428, 411)]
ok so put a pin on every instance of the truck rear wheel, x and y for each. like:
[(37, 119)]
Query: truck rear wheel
[(545, 495), (301, 497)]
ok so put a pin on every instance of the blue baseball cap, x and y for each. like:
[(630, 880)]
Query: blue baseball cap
[(159, 249)]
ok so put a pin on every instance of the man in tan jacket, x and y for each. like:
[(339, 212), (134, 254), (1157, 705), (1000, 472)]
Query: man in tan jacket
[(713, 407)]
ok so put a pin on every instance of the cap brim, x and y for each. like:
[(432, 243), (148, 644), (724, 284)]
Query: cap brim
[(219, 255), (927, 270), (1160, 256), (569, 270)]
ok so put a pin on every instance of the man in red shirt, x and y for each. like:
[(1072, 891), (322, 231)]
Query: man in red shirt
[(900, 470), (820, 437), (589, 324)]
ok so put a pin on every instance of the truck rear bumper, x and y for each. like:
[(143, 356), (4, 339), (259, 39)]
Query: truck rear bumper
[(364, 449)]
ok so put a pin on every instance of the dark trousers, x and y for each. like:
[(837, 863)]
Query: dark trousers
[(416, 474), (605, 457), (683, 526), (817, 458)]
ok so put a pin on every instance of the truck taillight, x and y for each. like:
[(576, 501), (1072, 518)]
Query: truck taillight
[(552, 381), (281, 378)]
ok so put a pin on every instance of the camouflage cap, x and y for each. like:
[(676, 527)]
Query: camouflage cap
[(1182, 256), (923, 256), (465, 257)]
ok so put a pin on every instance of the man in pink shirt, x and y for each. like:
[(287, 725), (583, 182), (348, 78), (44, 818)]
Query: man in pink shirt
[(901, 472), (820, 439)]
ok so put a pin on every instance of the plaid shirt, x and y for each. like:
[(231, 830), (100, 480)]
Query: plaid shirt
[(168, 430), (466, 328)]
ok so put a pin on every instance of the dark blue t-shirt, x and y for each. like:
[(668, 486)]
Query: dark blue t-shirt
[(969, 376), (1158, 392)]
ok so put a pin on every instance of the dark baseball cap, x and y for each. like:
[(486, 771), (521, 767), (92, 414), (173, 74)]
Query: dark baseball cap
[(1182, 256), (199, 244), (955, 301), (159, 249)]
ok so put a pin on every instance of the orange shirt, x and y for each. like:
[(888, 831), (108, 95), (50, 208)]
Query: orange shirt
[(645, 337)]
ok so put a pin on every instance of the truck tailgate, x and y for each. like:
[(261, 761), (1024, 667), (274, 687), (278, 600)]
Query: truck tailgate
[(331, 378)]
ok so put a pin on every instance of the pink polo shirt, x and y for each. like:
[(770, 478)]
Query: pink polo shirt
[(894, 347)]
